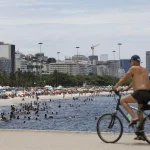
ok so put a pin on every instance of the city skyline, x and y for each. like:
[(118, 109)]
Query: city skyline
[(63, 25)]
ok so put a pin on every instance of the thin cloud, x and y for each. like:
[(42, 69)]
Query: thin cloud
[(63, 24)]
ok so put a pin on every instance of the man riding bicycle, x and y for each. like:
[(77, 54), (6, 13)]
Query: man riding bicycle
[(141, 87)]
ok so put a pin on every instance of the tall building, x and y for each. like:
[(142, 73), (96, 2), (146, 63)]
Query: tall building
[(91, 69), (121, 72), (70, 68), (31, 63), (5, 65), (93, 57), (8, 51), (104, 57), (103, 70), (113, 66), (20, 62), (23, 65), (125, 64), (148, 61)]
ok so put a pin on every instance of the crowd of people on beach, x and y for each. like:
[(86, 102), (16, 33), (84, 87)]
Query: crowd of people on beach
[(36, 106), (33, 92)]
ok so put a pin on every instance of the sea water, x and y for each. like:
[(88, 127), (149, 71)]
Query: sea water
[(68, 115)]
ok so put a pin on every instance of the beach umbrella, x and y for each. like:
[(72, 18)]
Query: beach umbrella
[(75, 91), (59, 87)]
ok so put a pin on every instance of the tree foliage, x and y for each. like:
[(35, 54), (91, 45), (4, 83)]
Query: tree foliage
[(51, 60), (27, 79)]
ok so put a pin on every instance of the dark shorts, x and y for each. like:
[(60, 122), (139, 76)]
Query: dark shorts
[(141, 96)]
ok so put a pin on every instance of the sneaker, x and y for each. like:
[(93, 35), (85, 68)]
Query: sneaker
[(139, 138)]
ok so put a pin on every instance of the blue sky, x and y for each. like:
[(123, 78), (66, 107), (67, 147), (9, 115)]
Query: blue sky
[(64, 24)]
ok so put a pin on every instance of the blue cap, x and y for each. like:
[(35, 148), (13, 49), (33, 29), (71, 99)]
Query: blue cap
[(135, 58)]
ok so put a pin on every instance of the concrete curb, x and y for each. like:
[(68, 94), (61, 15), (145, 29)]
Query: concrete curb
[(54, 131)]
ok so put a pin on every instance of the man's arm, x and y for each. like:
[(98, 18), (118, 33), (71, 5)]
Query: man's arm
[(123, 79)]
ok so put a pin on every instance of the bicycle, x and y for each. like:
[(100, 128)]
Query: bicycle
[(108, 124)]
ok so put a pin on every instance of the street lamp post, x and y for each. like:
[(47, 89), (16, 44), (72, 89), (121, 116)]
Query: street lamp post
[(77, 53), (119, 44), (114, 54), (77, 60), (40, 60), (58, 69)]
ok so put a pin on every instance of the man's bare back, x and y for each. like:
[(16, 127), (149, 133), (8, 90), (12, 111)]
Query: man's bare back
[(140, 78), (140, 84)]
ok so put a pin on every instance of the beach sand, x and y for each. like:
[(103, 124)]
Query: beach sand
[(18, 100), (49, 140)]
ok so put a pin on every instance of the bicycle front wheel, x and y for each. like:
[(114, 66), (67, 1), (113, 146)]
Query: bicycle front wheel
[(109, 128), (146, 128)]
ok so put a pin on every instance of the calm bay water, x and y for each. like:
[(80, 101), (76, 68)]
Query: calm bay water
[(68, 115)]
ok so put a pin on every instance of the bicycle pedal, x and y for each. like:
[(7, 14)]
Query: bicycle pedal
[(132, 123)]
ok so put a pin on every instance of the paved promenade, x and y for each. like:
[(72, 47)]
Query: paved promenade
[(49, 140)]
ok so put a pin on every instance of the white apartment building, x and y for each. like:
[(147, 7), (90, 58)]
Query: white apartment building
[(70, 68), (29, 63), (23, 65), (113, 66), (104, 57), (103, 70), (91, 69), (121, 72)]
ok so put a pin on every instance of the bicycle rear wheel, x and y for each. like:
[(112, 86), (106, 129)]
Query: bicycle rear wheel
[(109, 128), (146, 128)]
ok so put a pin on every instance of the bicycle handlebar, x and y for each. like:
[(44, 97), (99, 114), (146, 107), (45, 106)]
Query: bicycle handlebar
[(117, 92)]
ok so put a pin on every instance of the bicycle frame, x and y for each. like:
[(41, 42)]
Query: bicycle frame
[(119, 109), (123, 114)]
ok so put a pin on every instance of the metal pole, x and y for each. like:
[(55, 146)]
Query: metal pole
[(40, 61), (58, 70), (77, 60), (114, 54), (119, 55)]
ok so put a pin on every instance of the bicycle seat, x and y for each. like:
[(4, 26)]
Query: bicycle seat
[(146, 107)]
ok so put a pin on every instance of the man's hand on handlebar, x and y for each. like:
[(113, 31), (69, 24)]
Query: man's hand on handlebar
[(124, 89), (115, 90)]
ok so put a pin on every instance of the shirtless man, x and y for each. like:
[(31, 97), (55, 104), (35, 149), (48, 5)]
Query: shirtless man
[(141, 87)]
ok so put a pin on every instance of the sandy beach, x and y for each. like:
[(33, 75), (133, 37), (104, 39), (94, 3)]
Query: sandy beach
[(18, 100), (52, 140)]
